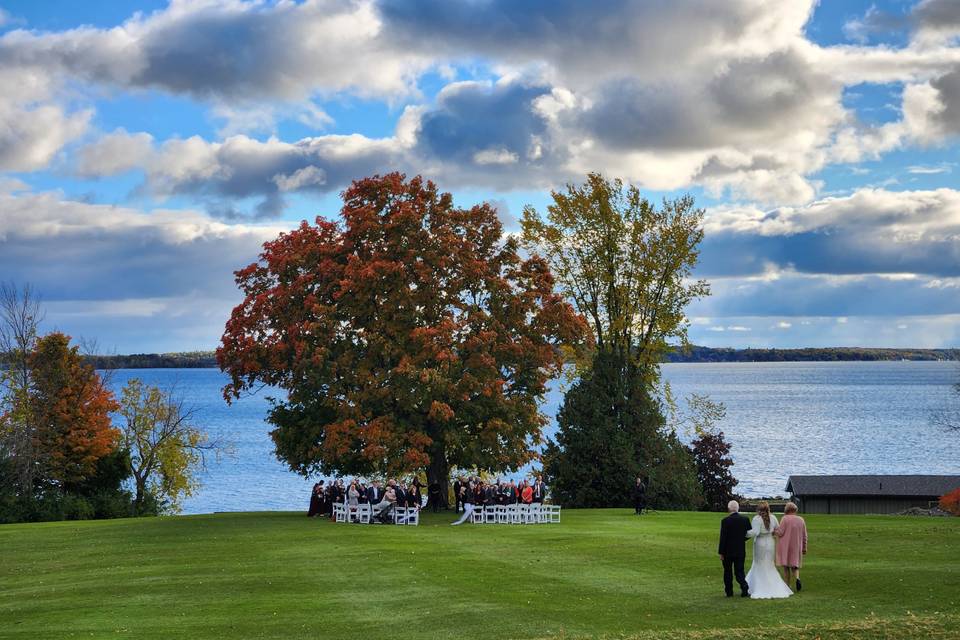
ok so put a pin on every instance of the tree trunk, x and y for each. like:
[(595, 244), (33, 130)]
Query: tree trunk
[(438, 471)]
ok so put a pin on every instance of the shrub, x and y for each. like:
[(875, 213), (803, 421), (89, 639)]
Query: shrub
[(950, 502)]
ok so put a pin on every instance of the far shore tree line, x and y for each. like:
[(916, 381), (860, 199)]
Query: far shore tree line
[(411, 335), (70, 449)]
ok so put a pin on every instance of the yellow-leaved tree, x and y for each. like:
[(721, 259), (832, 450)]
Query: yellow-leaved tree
[(166, 450)]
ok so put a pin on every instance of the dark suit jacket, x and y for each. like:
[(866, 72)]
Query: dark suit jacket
[(374, 495), (733, 536)]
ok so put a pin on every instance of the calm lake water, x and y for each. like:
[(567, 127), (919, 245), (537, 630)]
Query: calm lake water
[(782, 419)]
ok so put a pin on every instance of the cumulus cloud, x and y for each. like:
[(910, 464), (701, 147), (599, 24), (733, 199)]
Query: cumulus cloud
[(33, 126), (229, 50), (220, 173), (872, 231), (115, 253)]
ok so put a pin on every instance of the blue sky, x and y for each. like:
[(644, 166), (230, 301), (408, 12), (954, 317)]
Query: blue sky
[(148, 149)]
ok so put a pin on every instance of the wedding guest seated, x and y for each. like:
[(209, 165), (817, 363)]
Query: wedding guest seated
[(413, 495), (382, 509)]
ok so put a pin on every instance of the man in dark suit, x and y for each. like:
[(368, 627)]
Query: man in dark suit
[(374, 493), (733, 548), (456, 493), (539, 491)]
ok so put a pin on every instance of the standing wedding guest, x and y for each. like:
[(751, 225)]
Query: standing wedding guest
[(465, 497), (526, 496), (539, 491), (733, 548), (316, 500), (433, 496), (514, 494), (375, 493), (792, 545), (639, 496), (400, 489), (457, 494)]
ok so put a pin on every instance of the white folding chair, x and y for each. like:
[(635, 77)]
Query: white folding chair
[(413, 516), (513, 513), (502, 517), (399, 515), (477, 515), (524, 513), (339, 512), (490, 514), (536, 514), (363, 513), (554, 515)]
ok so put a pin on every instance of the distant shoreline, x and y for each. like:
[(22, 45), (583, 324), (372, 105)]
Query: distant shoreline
[(208, 360)]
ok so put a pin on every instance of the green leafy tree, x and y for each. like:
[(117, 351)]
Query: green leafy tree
[(165, 449), (611, 430), (624, 262)]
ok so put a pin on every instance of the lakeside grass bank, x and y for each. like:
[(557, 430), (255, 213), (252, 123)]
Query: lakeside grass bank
[(601, 573)]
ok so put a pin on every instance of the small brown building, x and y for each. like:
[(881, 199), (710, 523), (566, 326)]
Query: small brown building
[(867, 494)]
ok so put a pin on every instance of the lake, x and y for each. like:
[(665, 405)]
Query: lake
[(782, 418)]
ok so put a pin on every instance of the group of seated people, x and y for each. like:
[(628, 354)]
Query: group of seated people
[(382, 498)]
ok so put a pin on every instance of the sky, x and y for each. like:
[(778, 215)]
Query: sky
[(148, 149)]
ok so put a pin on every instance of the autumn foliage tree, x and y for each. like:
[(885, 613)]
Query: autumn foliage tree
[(408, 334), (70, 407), (711, 451), (950, 502)]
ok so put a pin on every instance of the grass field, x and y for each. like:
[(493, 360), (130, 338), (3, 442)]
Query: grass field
[(598, 574)]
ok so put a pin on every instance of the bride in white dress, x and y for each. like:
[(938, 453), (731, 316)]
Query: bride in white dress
[(764, 579)]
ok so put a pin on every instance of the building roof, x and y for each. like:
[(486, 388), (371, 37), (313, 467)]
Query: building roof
[(872, 485)]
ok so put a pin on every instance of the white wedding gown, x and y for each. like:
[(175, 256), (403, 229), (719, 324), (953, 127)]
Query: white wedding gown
[(764, 579)]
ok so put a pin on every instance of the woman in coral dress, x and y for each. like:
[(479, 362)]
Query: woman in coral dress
[(792, 544)]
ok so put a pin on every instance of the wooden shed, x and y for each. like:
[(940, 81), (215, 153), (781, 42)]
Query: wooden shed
[(867, 494)]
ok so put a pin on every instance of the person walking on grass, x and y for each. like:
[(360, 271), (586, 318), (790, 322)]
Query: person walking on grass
[(792, 544), (466, 498), (733, 549)]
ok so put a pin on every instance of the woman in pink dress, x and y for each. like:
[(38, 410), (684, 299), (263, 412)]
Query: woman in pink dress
[(792, 543)]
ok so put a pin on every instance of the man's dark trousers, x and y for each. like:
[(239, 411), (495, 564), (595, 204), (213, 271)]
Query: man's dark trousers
[(733, 567)]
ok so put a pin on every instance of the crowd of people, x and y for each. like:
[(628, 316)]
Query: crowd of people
[(470, 492), (383, 499)]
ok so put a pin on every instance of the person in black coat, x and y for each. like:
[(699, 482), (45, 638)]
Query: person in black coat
[(433, 496), (458, 495), (733, 548), (374, 493), (639, 496)]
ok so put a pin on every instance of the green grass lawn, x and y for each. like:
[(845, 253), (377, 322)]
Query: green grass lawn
[(600, 573)]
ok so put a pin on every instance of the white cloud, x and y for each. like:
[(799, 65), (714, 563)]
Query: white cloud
[(495, 156)]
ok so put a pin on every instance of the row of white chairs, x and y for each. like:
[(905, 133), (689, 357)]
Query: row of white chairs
[(517, 514), (363, 513)]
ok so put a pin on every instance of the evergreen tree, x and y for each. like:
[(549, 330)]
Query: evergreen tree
[(612, 430)]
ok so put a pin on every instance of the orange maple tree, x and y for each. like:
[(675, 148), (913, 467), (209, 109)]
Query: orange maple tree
[(70, 406), (409, 334)]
